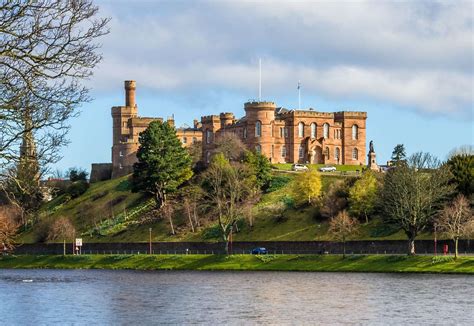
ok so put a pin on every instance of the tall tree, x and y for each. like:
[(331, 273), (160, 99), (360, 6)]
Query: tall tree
[(341, 227), (262, 168), (456, 220), (307, 186), (462, 168), (163, 164), (335, 198), (399, 154), (227, 186), (8, 227), (413, 193), (230, 146), (363, 195)]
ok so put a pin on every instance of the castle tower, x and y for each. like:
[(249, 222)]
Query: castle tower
[(28, 168), (211, 124), (260, 117), (123, 147)]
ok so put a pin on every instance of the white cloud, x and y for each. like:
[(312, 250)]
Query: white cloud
[(417, 55)]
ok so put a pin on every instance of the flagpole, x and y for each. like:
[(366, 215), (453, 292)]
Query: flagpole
[(260, 79)]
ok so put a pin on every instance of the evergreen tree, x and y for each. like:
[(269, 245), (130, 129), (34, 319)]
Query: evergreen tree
[(462, 168), (163, 164), (262, 168), (399, 154)]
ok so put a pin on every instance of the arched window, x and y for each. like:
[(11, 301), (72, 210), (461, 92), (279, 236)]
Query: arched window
[(301, 151), (313, 130), (355, 154), (355, 132), (337, 154), (208, 136), (194, 140), (258, 149), (301, 129), (273, 151), (258, 129), (185, 140), (245, 133), (326, 130), (283, 151), (326, 152), (208, 157)]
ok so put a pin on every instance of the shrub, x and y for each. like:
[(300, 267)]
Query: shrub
[(213, 232), (77, 188)]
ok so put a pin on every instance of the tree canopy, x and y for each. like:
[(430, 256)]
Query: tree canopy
[(163, 164), (363, 195)]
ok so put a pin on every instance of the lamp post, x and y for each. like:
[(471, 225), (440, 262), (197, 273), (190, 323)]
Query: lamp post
[(435, 240), (150, 241)]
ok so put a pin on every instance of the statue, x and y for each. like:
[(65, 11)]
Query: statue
[(371, 147)]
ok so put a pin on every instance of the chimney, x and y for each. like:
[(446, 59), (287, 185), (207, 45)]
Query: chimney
[(130, 86)]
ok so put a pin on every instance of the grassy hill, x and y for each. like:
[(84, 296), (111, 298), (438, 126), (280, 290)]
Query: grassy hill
[(109, 212)]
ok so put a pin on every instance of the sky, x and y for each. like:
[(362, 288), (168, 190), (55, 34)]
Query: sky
[(408, 64)]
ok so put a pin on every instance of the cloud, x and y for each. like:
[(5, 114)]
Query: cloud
[(415, 55)]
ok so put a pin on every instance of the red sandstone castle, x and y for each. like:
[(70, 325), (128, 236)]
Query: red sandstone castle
[(292, 136)]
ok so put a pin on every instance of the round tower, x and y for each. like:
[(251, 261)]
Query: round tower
[(130, 87), (260, 117)]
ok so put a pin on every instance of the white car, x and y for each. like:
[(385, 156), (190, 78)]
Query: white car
[(299, 167), (327, 169)]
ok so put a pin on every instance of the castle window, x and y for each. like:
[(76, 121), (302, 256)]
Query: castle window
[(286, 132), (301, 129), (301, 151), (282, 133), (194, 140), (283, 151), (121, 154), (327, 153), (272, 127), (258, 129), (326, 130), (208, 157), (185, 140), (208, 136), (355, 154), (120, 166), (258, 149), (313, 130), (273, 150), (355, 132), (337, 154), (245, 133)]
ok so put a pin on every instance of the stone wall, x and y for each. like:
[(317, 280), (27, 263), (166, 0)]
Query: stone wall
[(101, 172)]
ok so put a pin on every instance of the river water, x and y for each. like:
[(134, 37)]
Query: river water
[(96, 297)]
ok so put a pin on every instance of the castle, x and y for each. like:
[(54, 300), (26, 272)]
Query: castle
[(282, 135)]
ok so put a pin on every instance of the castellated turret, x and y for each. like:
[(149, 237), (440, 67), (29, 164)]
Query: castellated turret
[(260, 118), (226, 119)]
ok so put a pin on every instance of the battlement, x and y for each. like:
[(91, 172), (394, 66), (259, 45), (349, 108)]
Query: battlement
[(226, 115), (260, 105), (350, 114), (210, 119)]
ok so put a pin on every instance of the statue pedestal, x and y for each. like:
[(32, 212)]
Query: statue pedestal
[(372, 161)]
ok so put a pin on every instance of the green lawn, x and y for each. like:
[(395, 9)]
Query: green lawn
[(310, 263)]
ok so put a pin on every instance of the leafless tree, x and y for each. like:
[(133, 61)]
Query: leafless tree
[(168, 211), (342, 226), (230, 145), (413, 193), (335, 199), (227, 187), (61, 229), (8, 227), (191, 197), (456, 221)]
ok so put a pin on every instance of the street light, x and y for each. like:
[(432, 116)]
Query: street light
[(150, 241)]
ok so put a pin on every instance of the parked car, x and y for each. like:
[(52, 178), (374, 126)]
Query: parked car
[(259, 251), (327, 169), (299, 167)]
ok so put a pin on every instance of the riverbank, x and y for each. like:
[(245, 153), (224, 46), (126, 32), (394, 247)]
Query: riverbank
[(310, 263)]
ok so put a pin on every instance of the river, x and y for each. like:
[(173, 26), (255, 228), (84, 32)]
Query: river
[(97, 297)]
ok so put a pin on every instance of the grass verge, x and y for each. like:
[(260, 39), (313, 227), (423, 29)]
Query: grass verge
[(309, 263)]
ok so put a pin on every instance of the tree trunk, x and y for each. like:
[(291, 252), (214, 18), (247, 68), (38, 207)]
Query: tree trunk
[(195, 216), (456, 240), (411, 246), (171, 224), (343, 247), (188, 209), (366, 219)]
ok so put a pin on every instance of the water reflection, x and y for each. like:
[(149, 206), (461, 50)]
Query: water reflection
[(130, 297)]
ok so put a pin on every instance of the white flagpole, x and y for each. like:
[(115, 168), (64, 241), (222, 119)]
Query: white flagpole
[(260, 79)]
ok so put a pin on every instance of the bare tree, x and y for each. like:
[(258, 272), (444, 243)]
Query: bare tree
[(191, 196), (335, 200), (61, 229), (456, 221), (341, 227), (168, 211), (230, 145), (413, 193), (47, 47), (227, 187), (8, 227)]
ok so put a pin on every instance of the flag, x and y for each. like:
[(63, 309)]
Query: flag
[(299, 85)]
